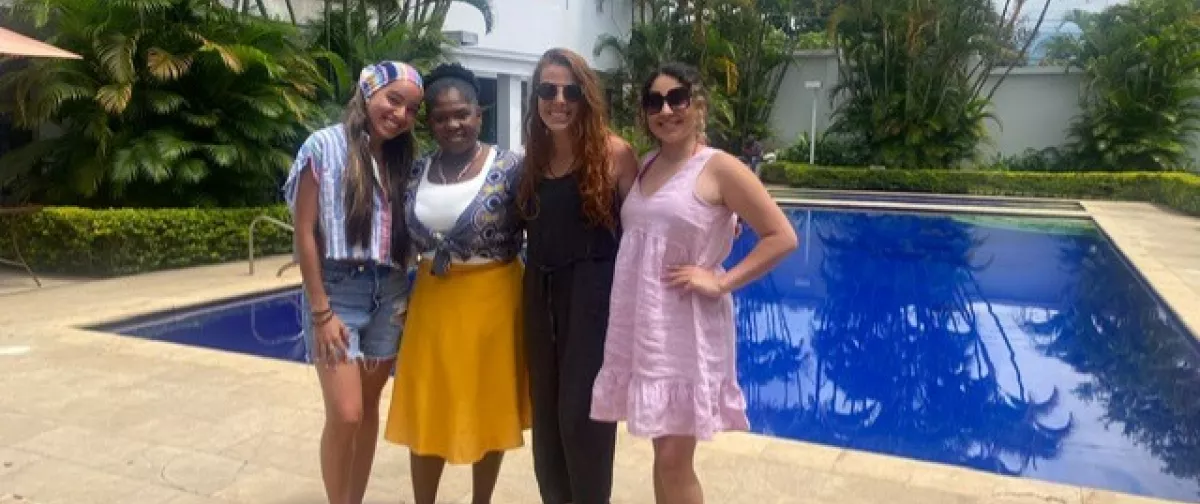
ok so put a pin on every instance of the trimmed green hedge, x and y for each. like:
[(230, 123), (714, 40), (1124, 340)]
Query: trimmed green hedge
[(81, 241), (1176, 190)]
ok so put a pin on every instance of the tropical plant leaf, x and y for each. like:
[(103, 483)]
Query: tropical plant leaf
[(164, 102), (165, 66), (191, 170), (115, 52), (200, 121), (222, 155), (114, 98), (143, 6), (227, 56), (22, 161), (176, 103)]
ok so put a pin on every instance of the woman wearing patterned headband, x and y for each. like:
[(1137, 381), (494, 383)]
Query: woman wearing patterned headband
[(461, 393), (345, 192)]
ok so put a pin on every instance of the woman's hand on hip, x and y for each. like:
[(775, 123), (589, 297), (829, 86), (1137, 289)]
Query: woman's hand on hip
[(696, 279)]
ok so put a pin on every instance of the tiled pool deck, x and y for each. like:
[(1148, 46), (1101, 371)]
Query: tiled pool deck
[(88, 417)]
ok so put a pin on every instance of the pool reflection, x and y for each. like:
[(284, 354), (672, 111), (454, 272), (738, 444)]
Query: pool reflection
[(972, 342)]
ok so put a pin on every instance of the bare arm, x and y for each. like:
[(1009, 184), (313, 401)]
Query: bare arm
[(305, 241), (743, 193), (624, 163)]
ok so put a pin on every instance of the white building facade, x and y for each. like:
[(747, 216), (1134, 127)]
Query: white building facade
[(524, 29), (504, 59)]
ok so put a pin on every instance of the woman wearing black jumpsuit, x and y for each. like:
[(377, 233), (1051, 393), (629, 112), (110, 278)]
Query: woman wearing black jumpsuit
[(568, 274)]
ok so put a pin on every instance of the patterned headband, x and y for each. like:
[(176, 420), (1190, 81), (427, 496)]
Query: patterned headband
[(374, 77)]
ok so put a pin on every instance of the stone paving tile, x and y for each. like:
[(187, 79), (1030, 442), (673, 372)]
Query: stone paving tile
[(264, 485), (873, 466), (16, 427), (846, 489), (51, 481), (12, 461), (198, 499), (1106, 497)]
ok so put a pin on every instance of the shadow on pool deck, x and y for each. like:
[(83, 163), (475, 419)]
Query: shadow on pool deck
[(16, 280), (88, 417)]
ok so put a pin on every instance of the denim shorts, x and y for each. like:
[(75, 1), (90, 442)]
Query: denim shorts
[(369, 300)]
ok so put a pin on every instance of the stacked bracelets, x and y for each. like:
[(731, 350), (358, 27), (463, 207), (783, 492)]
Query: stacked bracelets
[(322, 317)]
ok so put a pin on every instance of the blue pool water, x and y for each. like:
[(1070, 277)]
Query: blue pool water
[(1017, 346)]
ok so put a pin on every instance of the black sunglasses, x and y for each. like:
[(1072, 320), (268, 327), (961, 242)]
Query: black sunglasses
[(570, 92), (678, 99)]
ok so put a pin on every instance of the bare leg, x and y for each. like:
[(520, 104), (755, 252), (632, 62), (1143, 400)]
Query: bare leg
[(483, 477), (426, 474), (374, 376), (674, 470), (659, 498), (341, 387)]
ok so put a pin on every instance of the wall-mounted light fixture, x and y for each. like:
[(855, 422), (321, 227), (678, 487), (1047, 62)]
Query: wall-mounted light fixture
[(462, 38)]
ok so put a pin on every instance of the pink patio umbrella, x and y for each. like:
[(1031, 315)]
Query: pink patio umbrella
[(15, 44)]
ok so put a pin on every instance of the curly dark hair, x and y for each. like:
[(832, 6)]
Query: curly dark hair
[(449, 76)]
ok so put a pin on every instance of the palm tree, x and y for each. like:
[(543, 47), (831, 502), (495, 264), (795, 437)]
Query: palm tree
[(1142, 62), (743, 49), (175, 102), (913, 73), (349, 34)]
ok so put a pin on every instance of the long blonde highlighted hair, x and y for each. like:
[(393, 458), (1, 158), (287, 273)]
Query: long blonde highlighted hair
[(360, 179)]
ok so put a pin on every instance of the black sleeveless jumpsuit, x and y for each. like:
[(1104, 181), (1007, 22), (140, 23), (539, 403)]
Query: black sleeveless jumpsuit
[(568, 276)]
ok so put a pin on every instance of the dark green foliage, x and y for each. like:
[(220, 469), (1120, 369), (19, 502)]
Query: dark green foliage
[(175, 103), (80, 241), (1175, 190), (1141, 105)]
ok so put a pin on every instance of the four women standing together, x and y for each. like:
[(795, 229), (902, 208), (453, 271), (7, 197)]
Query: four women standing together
[(621, 313)]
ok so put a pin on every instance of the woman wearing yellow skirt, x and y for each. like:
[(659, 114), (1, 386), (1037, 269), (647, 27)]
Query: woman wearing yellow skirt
[(461, 394)]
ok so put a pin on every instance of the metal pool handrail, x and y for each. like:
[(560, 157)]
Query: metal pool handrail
[(12, 234), (277, 222)]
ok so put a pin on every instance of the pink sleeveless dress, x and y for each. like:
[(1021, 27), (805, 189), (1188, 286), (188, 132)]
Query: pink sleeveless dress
[(670, 366)]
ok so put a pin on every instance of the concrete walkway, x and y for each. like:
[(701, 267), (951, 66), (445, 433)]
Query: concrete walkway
[(88, 417)]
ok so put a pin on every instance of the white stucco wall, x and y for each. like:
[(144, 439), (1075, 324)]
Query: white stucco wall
[(530, 27), (1033, 106), (792, 114)]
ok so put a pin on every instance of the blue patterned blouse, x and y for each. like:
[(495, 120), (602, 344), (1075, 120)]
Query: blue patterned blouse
[(491, 227)]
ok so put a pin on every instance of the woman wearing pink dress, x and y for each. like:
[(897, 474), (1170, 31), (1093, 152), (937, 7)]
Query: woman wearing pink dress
[(669, 366)]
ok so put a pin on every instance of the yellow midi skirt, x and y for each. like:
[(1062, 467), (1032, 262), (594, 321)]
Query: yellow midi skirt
[(461, 386)]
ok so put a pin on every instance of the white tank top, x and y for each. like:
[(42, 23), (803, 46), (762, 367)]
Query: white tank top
[(438, 206)]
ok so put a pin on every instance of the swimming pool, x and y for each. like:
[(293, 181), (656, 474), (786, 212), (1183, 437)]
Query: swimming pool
[(1018, 346)]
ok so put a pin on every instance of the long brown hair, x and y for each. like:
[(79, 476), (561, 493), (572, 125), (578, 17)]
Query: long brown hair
[(590, 134), (360, 181)]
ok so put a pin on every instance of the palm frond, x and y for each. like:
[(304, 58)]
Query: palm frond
[(114, 98), (227, 56), (167, 67), (164, 102), (115, 52)]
